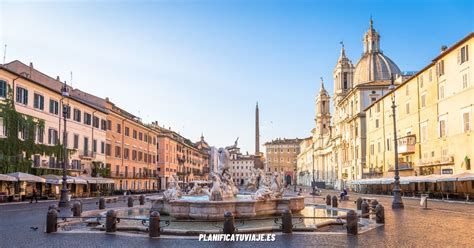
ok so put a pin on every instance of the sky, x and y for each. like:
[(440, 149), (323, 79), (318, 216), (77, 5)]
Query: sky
[(201, 66)]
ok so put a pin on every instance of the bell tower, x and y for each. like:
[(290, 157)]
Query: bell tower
[(323, 115), (343, 74)]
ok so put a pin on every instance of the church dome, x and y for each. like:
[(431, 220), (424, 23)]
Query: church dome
[(373, 65)]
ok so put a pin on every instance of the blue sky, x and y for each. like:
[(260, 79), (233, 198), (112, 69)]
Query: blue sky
[(200, 66)]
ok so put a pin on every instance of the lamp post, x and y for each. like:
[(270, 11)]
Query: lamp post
[(64, 199), (294, 176), (313, 183), (397, 197)]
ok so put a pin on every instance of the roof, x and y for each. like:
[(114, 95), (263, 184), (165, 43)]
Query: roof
[(283, 141), (374, 66)]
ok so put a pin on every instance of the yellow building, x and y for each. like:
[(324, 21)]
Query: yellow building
[(434, 119)]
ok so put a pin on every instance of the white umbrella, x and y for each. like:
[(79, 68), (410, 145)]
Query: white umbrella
[(20, 176), (465, 176), (7, 178)]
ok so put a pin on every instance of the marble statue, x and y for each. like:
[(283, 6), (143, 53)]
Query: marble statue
[(252, 182), (216, 190), (264, 191), (196, 190), (174, 191), (276, 186)]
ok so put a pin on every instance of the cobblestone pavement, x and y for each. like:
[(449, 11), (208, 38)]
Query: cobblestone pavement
[(444, 225)]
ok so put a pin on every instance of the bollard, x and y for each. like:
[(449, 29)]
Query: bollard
[(154, 224), (130, 201), (328, 200), (229, 225), (55, 207), (351, 223), (101, 203), (76, 209), (379, 214), (142, 200), (358, 203), (81, 204), (111, 221), (287, 222), (334, 201), (52, 221), (374, 204), (365, 209)]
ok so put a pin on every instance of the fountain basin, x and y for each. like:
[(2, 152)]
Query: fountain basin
[(242, 207)]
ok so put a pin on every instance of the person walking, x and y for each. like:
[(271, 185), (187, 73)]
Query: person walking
[(34, 196)]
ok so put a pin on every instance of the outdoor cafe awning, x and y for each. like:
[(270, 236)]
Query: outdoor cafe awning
[(7, 178), (97, 180), (20, 176), (57, 180), (418, 179)]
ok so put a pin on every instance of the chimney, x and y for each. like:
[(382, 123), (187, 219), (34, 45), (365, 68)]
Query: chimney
[(444, 48), (57, 79)]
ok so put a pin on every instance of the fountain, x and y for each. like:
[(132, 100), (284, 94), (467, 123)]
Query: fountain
[(266, 196)]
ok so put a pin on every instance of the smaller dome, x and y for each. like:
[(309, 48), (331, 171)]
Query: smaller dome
[(374, 66)]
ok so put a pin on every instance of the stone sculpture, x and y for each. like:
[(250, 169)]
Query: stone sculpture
[(174, 191), (216, 190), (264, 191)]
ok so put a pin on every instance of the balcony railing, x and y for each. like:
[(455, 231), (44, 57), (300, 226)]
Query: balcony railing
[(407, 144), (86, 154), (437, 161), (130, 175)]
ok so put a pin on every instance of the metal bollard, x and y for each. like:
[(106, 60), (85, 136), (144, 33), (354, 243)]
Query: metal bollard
[(379, 214), (328, 200), (101, 203), (351, 223), (111, 221), (374, 204), (334, 201), (365, 209), (52, 221), (130, 201), (358, 203), (154, 224), (76, 209), (229, 225), (142, 200), (287, 222)]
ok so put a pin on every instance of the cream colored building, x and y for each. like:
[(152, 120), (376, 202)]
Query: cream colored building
[(434, 111), (304, 163), (39, 95)]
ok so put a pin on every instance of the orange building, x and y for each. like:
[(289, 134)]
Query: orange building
[(130, 150), (178, 155)]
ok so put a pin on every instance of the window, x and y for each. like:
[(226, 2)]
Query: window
[(127, 131), (126, 152), (134, 155), (424, 132), (77, 115), (442, 128), (423, 100), (108, 149), (76, 141), (421, 81), (109, 125), (119, 128), (134, 134), (373, 99), (407, 107), (440, 68), (388, 144), (39, 133), (372, 149), (94, 146), (3, 89), (86, 146), (463, 54), (117, 152), (407, 90), (52, 136), (54, 107), (379, 149), (103, 124), (22, 95), (464, 80), (378, 107), (95, 122), (466, 121), (140, 136), (376, 123), (102, 147), (38, 101), (441, 91), (87, 118), (68, 109)]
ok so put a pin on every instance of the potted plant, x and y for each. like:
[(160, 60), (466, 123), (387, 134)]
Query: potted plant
[(467, 160)]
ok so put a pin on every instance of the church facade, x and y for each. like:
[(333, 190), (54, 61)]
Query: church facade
[(339, 138)]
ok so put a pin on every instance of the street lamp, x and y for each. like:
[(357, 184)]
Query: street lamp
[(313, 183), (64, 199), (397, 197)]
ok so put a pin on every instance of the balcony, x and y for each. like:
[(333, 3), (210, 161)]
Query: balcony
[(86, 154), (402, 165), (406, 144), (437, 161)]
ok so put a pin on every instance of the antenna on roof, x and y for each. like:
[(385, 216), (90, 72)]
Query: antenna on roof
[(71, 78), (4, 53)]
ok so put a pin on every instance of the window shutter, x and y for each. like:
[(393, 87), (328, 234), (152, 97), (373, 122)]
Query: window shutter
[(459, 56), (467, 53)]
